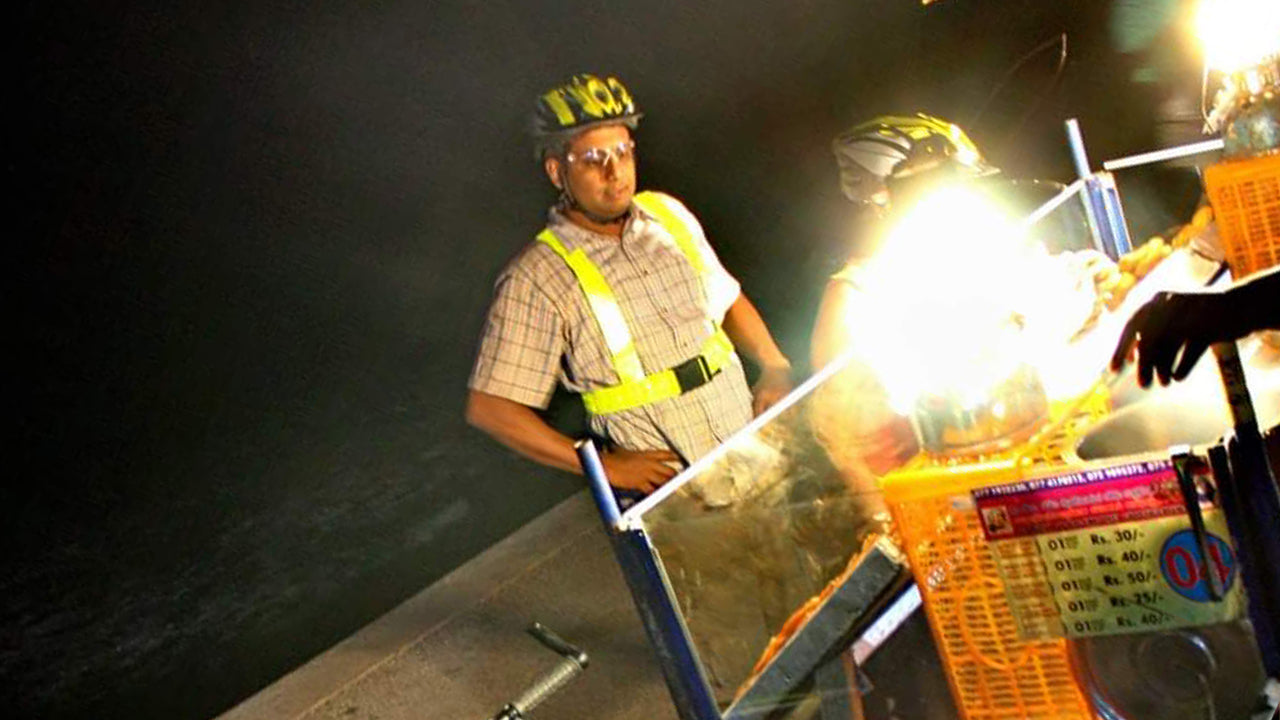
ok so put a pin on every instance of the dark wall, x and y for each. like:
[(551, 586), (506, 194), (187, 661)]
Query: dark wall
[(255, 247)]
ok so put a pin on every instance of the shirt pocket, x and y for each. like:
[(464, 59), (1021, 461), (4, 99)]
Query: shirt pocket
[(672, 291)]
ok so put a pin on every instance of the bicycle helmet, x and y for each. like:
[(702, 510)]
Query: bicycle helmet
[(585, 101), (893, 147)]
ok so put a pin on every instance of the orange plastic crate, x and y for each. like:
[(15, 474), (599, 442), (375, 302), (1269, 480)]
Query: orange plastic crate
[(994, 674), (1245, 195)]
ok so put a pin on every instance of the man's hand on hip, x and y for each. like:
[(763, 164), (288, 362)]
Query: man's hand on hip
[(645, 471)]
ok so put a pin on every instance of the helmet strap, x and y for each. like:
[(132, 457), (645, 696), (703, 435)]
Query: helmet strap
[(567, 201)]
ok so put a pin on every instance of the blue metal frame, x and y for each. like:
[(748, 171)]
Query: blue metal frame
[(665, 626), (1251, 502), (1101, 200), (653, 597)]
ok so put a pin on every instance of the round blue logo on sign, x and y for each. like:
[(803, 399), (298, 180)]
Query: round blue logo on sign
[(1180, 564)]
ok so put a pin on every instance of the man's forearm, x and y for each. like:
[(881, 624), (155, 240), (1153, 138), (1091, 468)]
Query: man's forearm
[(521, 429), (831, 336), (751, 337)]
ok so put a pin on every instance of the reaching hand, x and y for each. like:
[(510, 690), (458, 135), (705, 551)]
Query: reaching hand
[(1174, 327), (645, 470), (773, 384)]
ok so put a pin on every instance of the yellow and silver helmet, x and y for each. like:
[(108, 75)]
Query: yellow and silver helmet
[(872, 153), (585, 101)]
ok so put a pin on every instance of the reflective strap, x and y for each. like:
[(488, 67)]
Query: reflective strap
[(653, 204), (717, 351), (616, 398), (604, 305), (635, 388)]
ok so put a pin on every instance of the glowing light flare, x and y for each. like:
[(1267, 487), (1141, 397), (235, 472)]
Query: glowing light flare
[(1064, 302), (956, 300), (1238, 34)]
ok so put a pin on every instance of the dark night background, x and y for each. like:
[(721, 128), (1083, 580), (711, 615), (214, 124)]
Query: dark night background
[(255, 243)]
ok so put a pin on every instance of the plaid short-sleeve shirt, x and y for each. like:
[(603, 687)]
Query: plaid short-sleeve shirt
[(540, 330)]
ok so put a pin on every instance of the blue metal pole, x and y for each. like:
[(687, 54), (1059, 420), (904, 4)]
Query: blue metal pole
[(1256, 506), (1094, 207), (599, 483), (1076, 140), (665, 626), (1117, 227), (653, 597)]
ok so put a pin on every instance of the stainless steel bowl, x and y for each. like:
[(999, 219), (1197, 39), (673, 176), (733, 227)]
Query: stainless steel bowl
[(1205, 672), (1173, 417), (1010, 412), (1192, 673)]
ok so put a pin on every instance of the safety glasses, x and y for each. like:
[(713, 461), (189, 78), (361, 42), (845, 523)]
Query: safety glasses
[(597, 157)]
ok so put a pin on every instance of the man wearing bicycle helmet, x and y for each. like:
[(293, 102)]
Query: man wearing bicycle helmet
[(898, 151), (884, 162), (622, 300), (888, 165), (889, 161)]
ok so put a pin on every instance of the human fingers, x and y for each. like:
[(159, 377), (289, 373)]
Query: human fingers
[(657, 474), (1191, 353), (644, 478), (622, 455), (1146, 364), (763, 401), (769, 392), (1161, 353), (1157, 340), (1163, 370), (1129, 336), (657, 465), (658, 456), (642, 483), (626, 469), (664, 470)]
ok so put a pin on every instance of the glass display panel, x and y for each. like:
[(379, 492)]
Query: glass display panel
[(751, 533)]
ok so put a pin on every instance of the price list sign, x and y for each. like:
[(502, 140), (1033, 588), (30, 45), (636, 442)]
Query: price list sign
[(1106, 551)]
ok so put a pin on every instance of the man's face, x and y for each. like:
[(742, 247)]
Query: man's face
[(601, 170)]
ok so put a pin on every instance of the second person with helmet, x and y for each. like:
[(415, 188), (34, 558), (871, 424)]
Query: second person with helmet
[(621, 299), (884, 163), (890, 165)]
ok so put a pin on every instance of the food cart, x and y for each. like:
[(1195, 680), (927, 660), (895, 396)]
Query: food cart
[(1076, 548)]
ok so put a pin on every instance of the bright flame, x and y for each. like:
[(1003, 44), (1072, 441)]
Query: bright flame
[(1238, 34), (958, 298)]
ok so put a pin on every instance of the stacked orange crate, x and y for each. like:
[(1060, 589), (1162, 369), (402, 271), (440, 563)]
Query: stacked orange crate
[(1245, 195), (994, 674)]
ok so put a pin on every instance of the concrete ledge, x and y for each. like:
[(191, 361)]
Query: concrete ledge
[(411, 623)]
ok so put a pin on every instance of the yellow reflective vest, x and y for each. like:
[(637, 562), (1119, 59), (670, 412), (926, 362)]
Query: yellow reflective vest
[(635, 388)]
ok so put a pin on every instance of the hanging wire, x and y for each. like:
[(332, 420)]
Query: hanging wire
[(1061, 42)]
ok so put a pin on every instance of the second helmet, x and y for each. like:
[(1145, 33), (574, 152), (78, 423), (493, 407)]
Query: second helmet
[(891, 146)]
